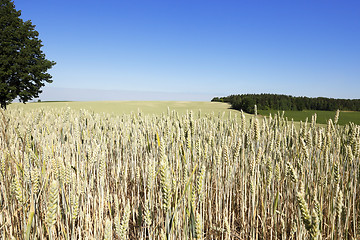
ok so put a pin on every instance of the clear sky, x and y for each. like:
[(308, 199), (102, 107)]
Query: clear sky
[(200, 47)]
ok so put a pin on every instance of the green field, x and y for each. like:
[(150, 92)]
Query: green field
[(322, 116), (145, 107)]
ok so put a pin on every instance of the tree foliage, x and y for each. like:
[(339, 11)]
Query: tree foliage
[(23, 66), (246, 103)]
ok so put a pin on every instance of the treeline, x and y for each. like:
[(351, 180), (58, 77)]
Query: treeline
[(246, 103)]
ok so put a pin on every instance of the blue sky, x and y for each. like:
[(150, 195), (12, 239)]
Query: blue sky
[(199, 48)]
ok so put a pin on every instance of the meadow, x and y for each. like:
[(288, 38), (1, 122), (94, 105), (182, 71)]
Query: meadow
[(163, 172), (322, 116)]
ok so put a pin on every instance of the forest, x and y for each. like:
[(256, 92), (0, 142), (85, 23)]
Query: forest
[(246, 102)]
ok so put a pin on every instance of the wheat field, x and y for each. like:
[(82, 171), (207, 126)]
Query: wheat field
[(76, 174)]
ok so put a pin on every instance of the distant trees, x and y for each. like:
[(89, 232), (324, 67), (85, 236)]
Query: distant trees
[(23, 66), (246, 102)]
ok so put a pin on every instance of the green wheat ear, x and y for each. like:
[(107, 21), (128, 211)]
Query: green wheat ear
[(52, 204), (108, 235), (291, 172), (122, 228), (200, 183), (339, 203), (311, 222), (269, 172), (198, 226), (336, 118), (35, 178), (147, 213), (3, 162), (17, 189), (277, 172), (314, 225), (305, 215), (165, 183), (74, 200)]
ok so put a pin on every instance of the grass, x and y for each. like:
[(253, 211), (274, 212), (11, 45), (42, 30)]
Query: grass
[(322, 116)]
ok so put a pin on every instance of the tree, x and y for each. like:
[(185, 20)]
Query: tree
[(23, 66)]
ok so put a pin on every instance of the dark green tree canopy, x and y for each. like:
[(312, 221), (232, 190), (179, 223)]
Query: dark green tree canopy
[(265, 101), (23, 66)]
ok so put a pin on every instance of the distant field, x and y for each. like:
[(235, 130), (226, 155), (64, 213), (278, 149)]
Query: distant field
[(145, 107), (322, 116), (159, 107)]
